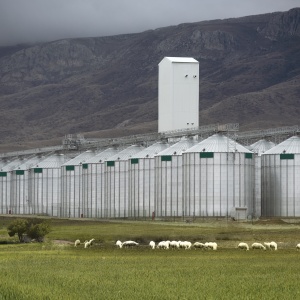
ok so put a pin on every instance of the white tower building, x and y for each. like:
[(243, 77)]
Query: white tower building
[(178, 93)]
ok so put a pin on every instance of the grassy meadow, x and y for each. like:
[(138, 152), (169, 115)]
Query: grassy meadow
[(55, 269)]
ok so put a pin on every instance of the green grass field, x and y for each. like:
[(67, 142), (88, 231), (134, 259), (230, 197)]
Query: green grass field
[(55, 269)]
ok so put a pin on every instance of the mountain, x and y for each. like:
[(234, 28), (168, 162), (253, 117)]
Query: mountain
[(108, 86)]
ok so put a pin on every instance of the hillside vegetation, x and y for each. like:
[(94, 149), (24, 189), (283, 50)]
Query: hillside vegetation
[(107, 86)]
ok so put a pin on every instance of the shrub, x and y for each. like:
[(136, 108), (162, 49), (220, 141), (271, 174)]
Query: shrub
[(32, 228), (19, 227)]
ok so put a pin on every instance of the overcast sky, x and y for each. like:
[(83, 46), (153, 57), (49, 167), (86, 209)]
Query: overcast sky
[(45, 20)]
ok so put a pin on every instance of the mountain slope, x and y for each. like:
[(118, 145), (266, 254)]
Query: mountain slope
[(249, 73)]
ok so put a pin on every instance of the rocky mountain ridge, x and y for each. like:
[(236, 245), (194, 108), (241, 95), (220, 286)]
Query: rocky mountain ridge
[(106, 86)]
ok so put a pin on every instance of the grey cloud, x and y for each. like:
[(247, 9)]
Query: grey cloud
[(23, 21)]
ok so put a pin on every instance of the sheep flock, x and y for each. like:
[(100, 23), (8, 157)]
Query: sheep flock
[(186, 245)]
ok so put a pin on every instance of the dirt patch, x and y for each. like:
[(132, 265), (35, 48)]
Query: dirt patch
[(62, 242)]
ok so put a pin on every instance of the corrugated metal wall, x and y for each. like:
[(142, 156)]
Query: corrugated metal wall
[(175, 182), (45, 186), (72, 189), (280, 185), (117, 182), (214, 184), (169, 180), (93, 185), (6, 179), (280, 179)]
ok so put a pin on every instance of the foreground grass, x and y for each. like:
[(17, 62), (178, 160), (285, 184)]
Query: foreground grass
[(66, 273), (54, 270)]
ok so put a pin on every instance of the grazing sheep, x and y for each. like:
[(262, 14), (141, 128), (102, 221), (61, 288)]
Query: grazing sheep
[(77, 242), (273, 245), (243, 246), (175, 244), (129, 244), (186, 245), (152, 244), (88, 243), (119, 244), (298, 247), (163, 245), (199, 245), (211, 245), (258, 246)]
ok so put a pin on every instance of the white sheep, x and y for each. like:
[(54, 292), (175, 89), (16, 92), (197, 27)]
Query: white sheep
[(88, 243), (186, 245), (298, 247), (199, 245), (175, 244), (129, 244), (258, 246), (211, 245), (119, 244), (163, 245), (77, 242), (267, 245), (243, 246), (152, 244), (273, 245)]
